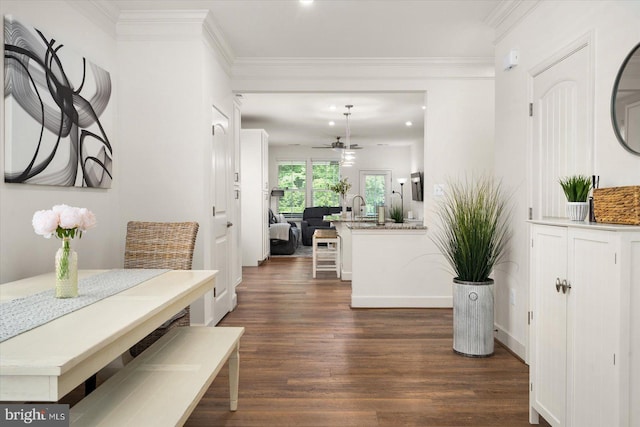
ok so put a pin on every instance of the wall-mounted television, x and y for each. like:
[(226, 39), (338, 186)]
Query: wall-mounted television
[(417, 187)]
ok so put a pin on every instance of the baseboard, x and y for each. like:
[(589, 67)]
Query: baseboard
[(401, 302), (506, 339)]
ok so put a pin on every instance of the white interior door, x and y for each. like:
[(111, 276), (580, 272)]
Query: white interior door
[(375, 187), (562, 140), (221, 162)]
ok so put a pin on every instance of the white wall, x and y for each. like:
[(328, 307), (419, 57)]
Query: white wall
[(459, 134), (615, 26), (23, 253), (170, 78), (165, 79)]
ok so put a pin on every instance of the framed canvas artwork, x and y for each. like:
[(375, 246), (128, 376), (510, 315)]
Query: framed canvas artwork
[(54, 103)]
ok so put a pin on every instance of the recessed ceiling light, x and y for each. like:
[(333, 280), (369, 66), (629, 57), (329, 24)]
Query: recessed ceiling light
[(332, 107), (408, 123), (306, 2), (424, 107), (332, 123)]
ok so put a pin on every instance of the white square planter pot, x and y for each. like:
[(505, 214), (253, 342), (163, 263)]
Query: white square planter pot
[(473, 318)]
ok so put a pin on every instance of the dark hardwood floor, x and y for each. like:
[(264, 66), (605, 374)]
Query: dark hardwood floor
[(308, 359)]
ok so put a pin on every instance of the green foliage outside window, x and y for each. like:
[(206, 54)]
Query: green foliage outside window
[(325, 174), (292, 177), (374, 192)]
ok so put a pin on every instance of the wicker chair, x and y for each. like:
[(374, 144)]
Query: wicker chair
[(160, 245)]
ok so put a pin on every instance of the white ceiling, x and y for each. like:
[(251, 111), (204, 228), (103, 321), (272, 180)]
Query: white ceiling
[(303, 119), (343, 29)]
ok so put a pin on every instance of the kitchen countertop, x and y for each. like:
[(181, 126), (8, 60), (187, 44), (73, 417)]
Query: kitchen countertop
[(387, 226)]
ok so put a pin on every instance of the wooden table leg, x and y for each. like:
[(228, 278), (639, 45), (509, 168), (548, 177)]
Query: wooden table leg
[(234, 376)]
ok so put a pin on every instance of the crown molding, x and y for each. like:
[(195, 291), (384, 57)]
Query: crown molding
[(217, 40), (155, 25), (508, 14), (263, 74), (103, 13), (360, 61)]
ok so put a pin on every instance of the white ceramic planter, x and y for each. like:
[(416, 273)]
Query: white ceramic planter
[(473, 318), (577, 211)]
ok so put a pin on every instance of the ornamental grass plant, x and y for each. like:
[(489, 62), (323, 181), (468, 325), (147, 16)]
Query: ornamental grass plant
[(473, 231), (395, 213)]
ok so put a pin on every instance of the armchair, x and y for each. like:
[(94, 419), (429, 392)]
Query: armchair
[(284, 236)]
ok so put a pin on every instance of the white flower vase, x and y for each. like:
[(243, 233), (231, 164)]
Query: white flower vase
[(577, 211), (66, 271)]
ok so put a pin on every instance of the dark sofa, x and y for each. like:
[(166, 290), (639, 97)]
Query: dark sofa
[(284, 247), (312, 221)]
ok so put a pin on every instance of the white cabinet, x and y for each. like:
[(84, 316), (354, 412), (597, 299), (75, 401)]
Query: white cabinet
[(585, 281), (254, 163)]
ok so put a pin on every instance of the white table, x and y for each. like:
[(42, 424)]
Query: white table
[(47, 362)]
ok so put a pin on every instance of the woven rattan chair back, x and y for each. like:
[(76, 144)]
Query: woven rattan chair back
[(160, 245)]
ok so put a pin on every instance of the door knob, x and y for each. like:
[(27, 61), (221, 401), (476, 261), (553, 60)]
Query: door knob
[(229, 224), (558, 285)]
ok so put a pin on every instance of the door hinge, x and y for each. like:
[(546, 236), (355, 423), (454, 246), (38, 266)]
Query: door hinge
[(531, 386), (531, 109), (213, 129), (213, 210), (614, 359), (615, 257), (530, 213), (529, 317)]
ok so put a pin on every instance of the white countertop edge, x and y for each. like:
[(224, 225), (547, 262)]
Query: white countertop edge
[(564, 222), (387, 231)]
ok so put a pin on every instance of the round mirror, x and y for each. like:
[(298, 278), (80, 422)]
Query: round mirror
[(625, 102)]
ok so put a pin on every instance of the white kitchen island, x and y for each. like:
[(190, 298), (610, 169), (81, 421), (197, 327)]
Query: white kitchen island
[(391, 267), (340, 223)]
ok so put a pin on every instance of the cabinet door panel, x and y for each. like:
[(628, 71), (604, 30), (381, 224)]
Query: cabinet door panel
[(549, 327), (593, 326)]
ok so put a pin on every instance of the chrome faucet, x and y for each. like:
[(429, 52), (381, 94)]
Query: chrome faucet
[(353, 203)]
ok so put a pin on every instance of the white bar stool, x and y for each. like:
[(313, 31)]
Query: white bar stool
[(327, 256)]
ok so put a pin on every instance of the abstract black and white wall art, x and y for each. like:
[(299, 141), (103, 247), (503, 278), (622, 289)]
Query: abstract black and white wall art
[(54, 103)]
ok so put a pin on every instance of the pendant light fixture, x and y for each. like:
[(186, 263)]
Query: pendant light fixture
[(347, 157)]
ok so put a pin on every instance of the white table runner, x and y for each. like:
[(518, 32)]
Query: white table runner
[(22, 314)]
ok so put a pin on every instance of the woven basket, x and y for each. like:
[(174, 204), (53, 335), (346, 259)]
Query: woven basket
[(617, 205)]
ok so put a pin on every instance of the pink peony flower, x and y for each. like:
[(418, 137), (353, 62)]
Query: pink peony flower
[(63, 221), (88, 219), (45, 223), (70, 218)]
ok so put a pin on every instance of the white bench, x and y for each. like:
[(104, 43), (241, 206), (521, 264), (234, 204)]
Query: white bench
[(163, 385)]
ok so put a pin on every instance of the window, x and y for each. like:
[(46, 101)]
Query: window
[(324, 174), (292, 177), (377, 185)]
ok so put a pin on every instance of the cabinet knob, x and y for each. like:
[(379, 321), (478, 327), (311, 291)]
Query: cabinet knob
[(558, 284), (565, 286)]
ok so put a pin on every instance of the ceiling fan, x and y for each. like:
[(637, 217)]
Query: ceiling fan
[(337, 144)]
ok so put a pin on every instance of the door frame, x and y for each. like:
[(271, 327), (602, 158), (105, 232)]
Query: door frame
[(586, 41)]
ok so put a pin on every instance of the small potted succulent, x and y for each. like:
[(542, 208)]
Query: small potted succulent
[(576, 189)]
